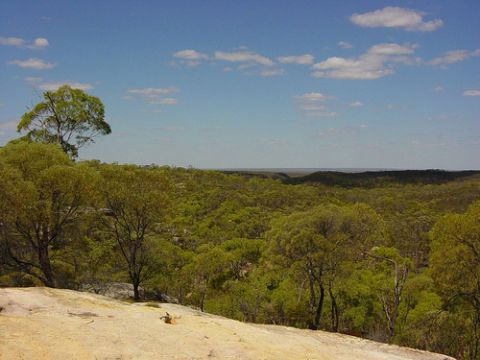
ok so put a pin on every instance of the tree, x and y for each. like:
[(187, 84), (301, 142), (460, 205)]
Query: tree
[(455, 262), (42, 194), (316, 243), (136, 201), (392, 265), (68, 117)]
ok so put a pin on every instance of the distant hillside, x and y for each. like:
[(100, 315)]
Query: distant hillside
[(360, 179), (265, 174), (379, 178)]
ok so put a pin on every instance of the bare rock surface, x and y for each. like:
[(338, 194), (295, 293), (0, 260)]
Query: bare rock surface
[(42, 323)]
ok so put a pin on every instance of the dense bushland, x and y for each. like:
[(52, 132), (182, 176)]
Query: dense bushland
[(392, 262)]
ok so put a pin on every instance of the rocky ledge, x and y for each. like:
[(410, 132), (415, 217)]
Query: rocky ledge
[(42, 323)]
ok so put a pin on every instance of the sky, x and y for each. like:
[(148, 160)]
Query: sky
[(256, 84)]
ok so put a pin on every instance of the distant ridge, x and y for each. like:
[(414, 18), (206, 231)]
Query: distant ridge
[(304, 171), (358, 177)]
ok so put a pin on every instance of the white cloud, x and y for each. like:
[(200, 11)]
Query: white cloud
[(375, 63), (11, 41), (471, 93), (356, 104), (305, 59), (190, 54), (313, 97), (54, 85), (164, 101), (438, 88), (345, 45), (153, 92), (452, 57), (247, 57), (313, 104), (396, 17), (272, 72), (154, 96), (32, 63), (392, 49), (190, 57), (38, 43)]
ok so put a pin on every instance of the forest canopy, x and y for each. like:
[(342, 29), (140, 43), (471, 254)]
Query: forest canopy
[(389, 261)]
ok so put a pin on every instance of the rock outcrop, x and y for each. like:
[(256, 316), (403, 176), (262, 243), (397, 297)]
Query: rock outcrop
[(42, 323)]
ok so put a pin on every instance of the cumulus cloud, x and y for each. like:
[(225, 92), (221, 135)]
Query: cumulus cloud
[(154, 96), (345, 45), (396, 17), (54, 85), (392, 49), (314, 104), (305, 59), (246, 57), (356, 104), (32, 63), (190, 57), (190, 54), (452, 57), (164, 101), (377, 62), (153, 92), (12, 41), (249, 62), (272, 72), (471, 93), (38, 43), (245, 60)]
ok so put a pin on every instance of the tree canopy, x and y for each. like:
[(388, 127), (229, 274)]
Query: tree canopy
[(68, 117)]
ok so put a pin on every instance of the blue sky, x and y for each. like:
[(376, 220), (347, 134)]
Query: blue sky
[(223, 84)]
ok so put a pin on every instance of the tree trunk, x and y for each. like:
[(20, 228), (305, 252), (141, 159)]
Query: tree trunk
[(136, 293), (202, 300), (318, 311), (44, 261), (334, 311)]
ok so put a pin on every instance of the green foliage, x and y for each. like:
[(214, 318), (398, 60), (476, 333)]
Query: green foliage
[(390, 262), (67, 117), (136, 200), (455, 264), (43, 195)]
